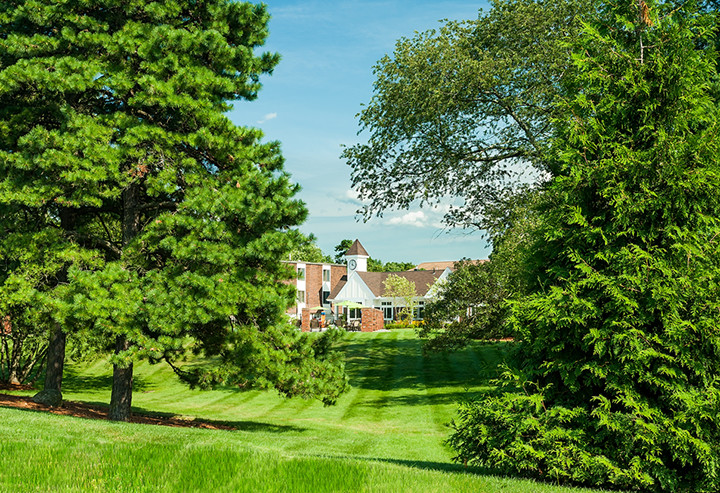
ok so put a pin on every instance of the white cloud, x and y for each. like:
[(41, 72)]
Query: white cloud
[(417, 218), (268, 117), (354, 197)]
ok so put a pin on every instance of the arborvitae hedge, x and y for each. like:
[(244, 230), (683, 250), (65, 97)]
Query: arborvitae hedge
[(616, 381)]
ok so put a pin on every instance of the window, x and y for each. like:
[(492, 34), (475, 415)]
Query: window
[(301, 296), (325, 295), (326, 275), (420, 310), (387, 310), (301, 273), (355, 313)]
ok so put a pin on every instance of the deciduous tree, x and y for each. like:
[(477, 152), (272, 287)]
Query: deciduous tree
[(464, 112), (470, 305), (308, 251), (473, 303), (404, 295)]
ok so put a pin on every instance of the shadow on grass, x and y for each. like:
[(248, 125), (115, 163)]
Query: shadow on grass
[(447, 467), (425, 399), (100, 409), (392, 364), (250, 426), (75, 381), (454, 468)]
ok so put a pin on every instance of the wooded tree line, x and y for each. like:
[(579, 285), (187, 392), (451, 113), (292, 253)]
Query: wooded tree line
[(135, 218), (308, 251), (582, 137)]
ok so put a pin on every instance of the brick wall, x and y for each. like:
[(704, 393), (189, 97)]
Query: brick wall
[(305, 323), (372, 320), (314, 282)]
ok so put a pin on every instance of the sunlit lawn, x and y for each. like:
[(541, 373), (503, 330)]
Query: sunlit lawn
[(386, 434)]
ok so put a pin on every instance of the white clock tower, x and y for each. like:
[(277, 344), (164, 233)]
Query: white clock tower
[(357, 258)]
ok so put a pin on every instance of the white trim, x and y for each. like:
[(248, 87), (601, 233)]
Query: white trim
[(354, 280), (433, 291)]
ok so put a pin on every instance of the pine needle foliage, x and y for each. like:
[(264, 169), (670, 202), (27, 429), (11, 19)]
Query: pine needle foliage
[(617, 378), (114, 115)]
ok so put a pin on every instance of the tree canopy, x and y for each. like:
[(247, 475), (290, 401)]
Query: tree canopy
[(162, 226), (615, 381), (463, 113), (403, 292), (308, 251), (472, 303)]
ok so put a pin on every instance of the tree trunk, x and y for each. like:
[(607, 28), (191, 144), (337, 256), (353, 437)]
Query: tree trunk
[(55, 360), (121, 398), (56, 348), (15, 354), (51, 395), (32, 360)]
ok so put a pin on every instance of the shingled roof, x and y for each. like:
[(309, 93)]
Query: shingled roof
[(423, 280), (341, 284), (449, 264), (357, 249)]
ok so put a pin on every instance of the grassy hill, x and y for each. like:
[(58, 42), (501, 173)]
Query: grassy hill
[(386, 434)]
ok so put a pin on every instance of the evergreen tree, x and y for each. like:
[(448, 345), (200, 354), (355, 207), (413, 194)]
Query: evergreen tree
[(186, 215), (340, 250), (56, 170), (617, 379)]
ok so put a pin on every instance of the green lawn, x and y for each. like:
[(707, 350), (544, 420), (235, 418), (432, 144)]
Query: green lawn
[(386, 434)]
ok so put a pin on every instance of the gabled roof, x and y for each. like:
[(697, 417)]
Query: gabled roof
[(357, 249), (423, 280), (341, 284)]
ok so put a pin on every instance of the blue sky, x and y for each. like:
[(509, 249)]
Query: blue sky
[(310, 103)]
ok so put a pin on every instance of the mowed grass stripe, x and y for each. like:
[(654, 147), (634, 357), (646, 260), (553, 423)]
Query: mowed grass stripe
[(411, 400), (437, 369), (366, 364), (389, 378), (296, 446), (76, 455)]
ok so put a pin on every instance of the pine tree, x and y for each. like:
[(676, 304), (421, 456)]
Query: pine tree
[(617, 379), (188, 216)]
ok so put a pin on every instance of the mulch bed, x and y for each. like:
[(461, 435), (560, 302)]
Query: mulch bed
[(94, 411)]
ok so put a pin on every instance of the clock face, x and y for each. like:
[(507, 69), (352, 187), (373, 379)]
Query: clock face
[(353, 264)]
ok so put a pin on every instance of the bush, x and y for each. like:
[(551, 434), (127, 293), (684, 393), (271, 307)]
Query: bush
[(617, 379), (403, 324)]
